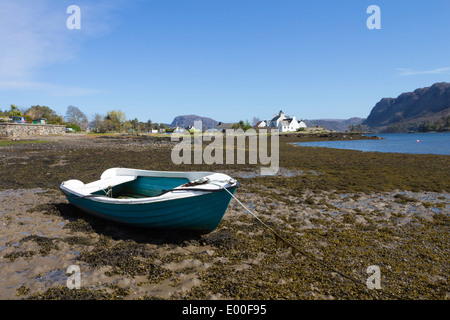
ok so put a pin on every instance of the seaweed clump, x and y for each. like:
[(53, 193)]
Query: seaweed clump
[(46, 244), (126, 258), (64, 293), (17, 254), (402, 199)]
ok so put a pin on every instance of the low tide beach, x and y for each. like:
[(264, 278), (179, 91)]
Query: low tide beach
[(335, 212)]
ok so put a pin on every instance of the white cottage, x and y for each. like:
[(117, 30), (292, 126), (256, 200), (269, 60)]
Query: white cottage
[(261, 124), (286, 124)]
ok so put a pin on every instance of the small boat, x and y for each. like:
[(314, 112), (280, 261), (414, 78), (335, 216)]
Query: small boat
[(193, 201)]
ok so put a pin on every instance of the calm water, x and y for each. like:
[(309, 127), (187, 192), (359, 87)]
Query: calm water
[(421, 143)]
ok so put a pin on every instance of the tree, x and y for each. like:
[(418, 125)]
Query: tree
[(133, 125), (148, 125), (246, 125), (114, 121), (96, 124), (76, 116), (37, 112), (359, 128), (14, 111), (242, 125)]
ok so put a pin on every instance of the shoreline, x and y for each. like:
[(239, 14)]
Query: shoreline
[(390, 223)]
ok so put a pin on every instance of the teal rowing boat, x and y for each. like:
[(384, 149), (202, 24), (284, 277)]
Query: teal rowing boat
[(193, 201)]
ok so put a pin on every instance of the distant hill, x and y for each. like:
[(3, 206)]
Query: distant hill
[(423, 109), (340, 125), (188, 120)]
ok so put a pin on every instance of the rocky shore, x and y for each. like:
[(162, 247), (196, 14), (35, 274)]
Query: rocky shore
[(338, 213), (332, 136)]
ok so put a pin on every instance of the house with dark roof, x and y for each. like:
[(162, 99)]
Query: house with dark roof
[(222, 127), (285, 123)]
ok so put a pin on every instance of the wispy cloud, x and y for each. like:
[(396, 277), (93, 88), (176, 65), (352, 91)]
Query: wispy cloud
[(33, 36), (30, 38), (53, 90), (411, 72)]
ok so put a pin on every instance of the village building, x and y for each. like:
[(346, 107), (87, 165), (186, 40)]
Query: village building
[(261, 124), (40, 121), (282, 122), (222, 127)]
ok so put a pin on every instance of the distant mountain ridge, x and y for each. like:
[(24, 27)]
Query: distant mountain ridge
[(424, 109), (188, 120), (411, 110), (340, 125)]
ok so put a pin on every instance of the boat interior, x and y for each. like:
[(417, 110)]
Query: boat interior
[(142, 187)]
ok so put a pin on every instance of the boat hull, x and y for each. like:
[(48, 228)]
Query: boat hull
[(200, 213)]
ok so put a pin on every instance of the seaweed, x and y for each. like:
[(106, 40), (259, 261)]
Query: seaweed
[(64, 293), (126, 258), (247, 261), (46, 244)]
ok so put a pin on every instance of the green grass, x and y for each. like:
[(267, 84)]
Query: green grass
[(5, 143)]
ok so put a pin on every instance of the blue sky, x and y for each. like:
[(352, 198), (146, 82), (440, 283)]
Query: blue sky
[(229, 60)]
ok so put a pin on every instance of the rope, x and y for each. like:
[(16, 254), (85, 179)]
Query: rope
[(296, 250), (109, 192)]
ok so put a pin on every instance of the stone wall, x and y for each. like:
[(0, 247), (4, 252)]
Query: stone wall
[(28, 129)]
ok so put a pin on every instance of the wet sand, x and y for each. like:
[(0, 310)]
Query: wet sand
[(340, 233)]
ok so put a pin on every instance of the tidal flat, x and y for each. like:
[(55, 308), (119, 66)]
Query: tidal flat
[(338, 212)]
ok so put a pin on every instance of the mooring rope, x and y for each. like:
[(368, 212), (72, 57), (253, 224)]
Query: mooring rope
[(295, 250)]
